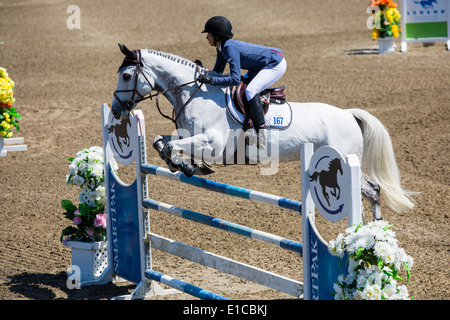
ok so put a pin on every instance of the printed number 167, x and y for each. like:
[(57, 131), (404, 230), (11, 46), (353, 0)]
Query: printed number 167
[(278, 120)]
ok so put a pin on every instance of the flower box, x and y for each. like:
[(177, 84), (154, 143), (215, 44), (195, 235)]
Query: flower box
[(89, 261), (11, 144), (386, 45)]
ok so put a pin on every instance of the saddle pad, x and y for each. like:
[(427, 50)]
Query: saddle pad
[(278, 116)]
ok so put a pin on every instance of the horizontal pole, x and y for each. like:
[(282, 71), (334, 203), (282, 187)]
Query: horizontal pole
[(224, 225), (219, 187), (9, 141), (182, 286), (223, 264)]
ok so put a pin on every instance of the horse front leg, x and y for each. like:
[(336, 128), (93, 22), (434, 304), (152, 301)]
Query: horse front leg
[(205, 146), (158, 144)]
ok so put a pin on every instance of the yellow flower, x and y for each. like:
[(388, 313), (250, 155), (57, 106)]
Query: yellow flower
[(9, 134), (395, 30), (3, 72), (3, 133), (4, 124), (375, 34)]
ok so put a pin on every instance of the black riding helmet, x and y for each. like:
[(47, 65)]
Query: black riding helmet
[(219, 25)]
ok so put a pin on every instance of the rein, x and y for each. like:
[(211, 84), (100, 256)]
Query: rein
[(174, 117), (130, 103)]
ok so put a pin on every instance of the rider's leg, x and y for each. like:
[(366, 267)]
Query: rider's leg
[(264, 79)]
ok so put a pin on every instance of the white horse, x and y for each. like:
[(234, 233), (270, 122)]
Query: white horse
[(205, 127)]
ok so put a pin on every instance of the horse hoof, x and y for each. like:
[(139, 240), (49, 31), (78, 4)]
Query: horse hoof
[(204, 169), (158, 145), (187, 169)]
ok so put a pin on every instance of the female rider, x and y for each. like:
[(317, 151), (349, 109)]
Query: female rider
[(265, 66)]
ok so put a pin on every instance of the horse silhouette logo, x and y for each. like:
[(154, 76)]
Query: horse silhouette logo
[(120, 131), (426, 4), (120, 139), (328, 179)]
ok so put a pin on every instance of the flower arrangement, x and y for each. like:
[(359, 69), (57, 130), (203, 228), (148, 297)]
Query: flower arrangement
[(89, 218), (374, 264), (387, 19), (8, 115)]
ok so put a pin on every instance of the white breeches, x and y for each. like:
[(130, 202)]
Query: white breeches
[(264, 79)]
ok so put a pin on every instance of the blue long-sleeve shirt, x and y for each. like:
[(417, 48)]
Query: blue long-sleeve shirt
[(243, 55)]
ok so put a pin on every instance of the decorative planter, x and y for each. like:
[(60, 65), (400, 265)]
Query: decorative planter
[(386, 45), (89, 261)]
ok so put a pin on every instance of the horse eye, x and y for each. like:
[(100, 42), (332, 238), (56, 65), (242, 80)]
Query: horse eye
[(126, 76)]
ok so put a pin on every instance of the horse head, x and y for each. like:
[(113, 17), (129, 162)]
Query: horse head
[(335, 165), (133, 85)]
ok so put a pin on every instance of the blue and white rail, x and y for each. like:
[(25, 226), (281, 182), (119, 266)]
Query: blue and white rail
[(224, 225), (182, 286), (219, 187)]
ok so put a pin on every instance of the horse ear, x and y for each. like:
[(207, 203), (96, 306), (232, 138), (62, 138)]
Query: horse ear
[(127, 52)]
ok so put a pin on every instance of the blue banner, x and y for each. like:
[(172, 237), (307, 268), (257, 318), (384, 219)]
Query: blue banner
[(125, 239)]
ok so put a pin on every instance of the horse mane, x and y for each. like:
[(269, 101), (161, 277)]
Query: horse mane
[(174, 58), (184, 61), (332, 162)]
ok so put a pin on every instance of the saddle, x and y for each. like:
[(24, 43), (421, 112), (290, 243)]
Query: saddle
[(268, 96)]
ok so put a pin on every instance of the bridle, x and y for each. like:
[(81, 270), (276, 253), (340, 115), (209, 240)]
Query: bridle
[(129, 104)]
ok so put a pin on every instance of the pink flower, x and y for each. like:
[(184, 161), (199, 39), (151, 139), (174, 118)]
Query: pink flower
[(76, 220), (100, 220), (64, 242), (89, 232)]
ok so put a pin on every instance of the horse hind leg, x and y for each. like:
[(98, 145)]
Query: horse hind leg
[(371, 192)]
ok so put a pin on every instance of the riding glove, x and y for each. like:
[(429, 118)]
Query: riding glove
[(203, 78)]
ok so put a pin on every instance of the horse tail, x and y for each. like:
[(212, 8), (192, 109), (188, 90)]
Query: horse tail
[(379, 161), (314, 176)]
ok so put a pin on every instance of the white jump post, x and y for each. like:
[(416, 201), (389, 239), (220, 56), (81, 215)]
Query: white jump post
[(130, 240), (11, 145)]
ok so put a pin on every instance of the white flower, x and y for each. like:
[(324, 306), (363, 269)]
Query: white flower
[(382, 249), (338, 290), (370, 279), (403, 292), (375, 278), (335, 249), (389, 291), (379, 224), (352, 264), (358, 295), (97, 170), (369, 293), (96, 149), (73, 168), (361, 281), (377, 291), (409, 261), (367, 241), (349, 278), (78, 180)]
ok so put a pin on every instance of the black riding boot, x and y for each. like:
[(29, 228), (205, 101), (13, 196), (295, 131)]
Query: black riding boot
[(257, 115)]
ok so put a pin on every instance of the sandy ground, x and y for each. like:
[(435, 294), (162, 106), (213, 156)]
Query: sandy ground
[(63, 76)]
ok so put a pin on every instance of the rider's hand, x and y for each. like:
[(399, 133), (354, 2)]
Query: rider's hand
[(203, 78)]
